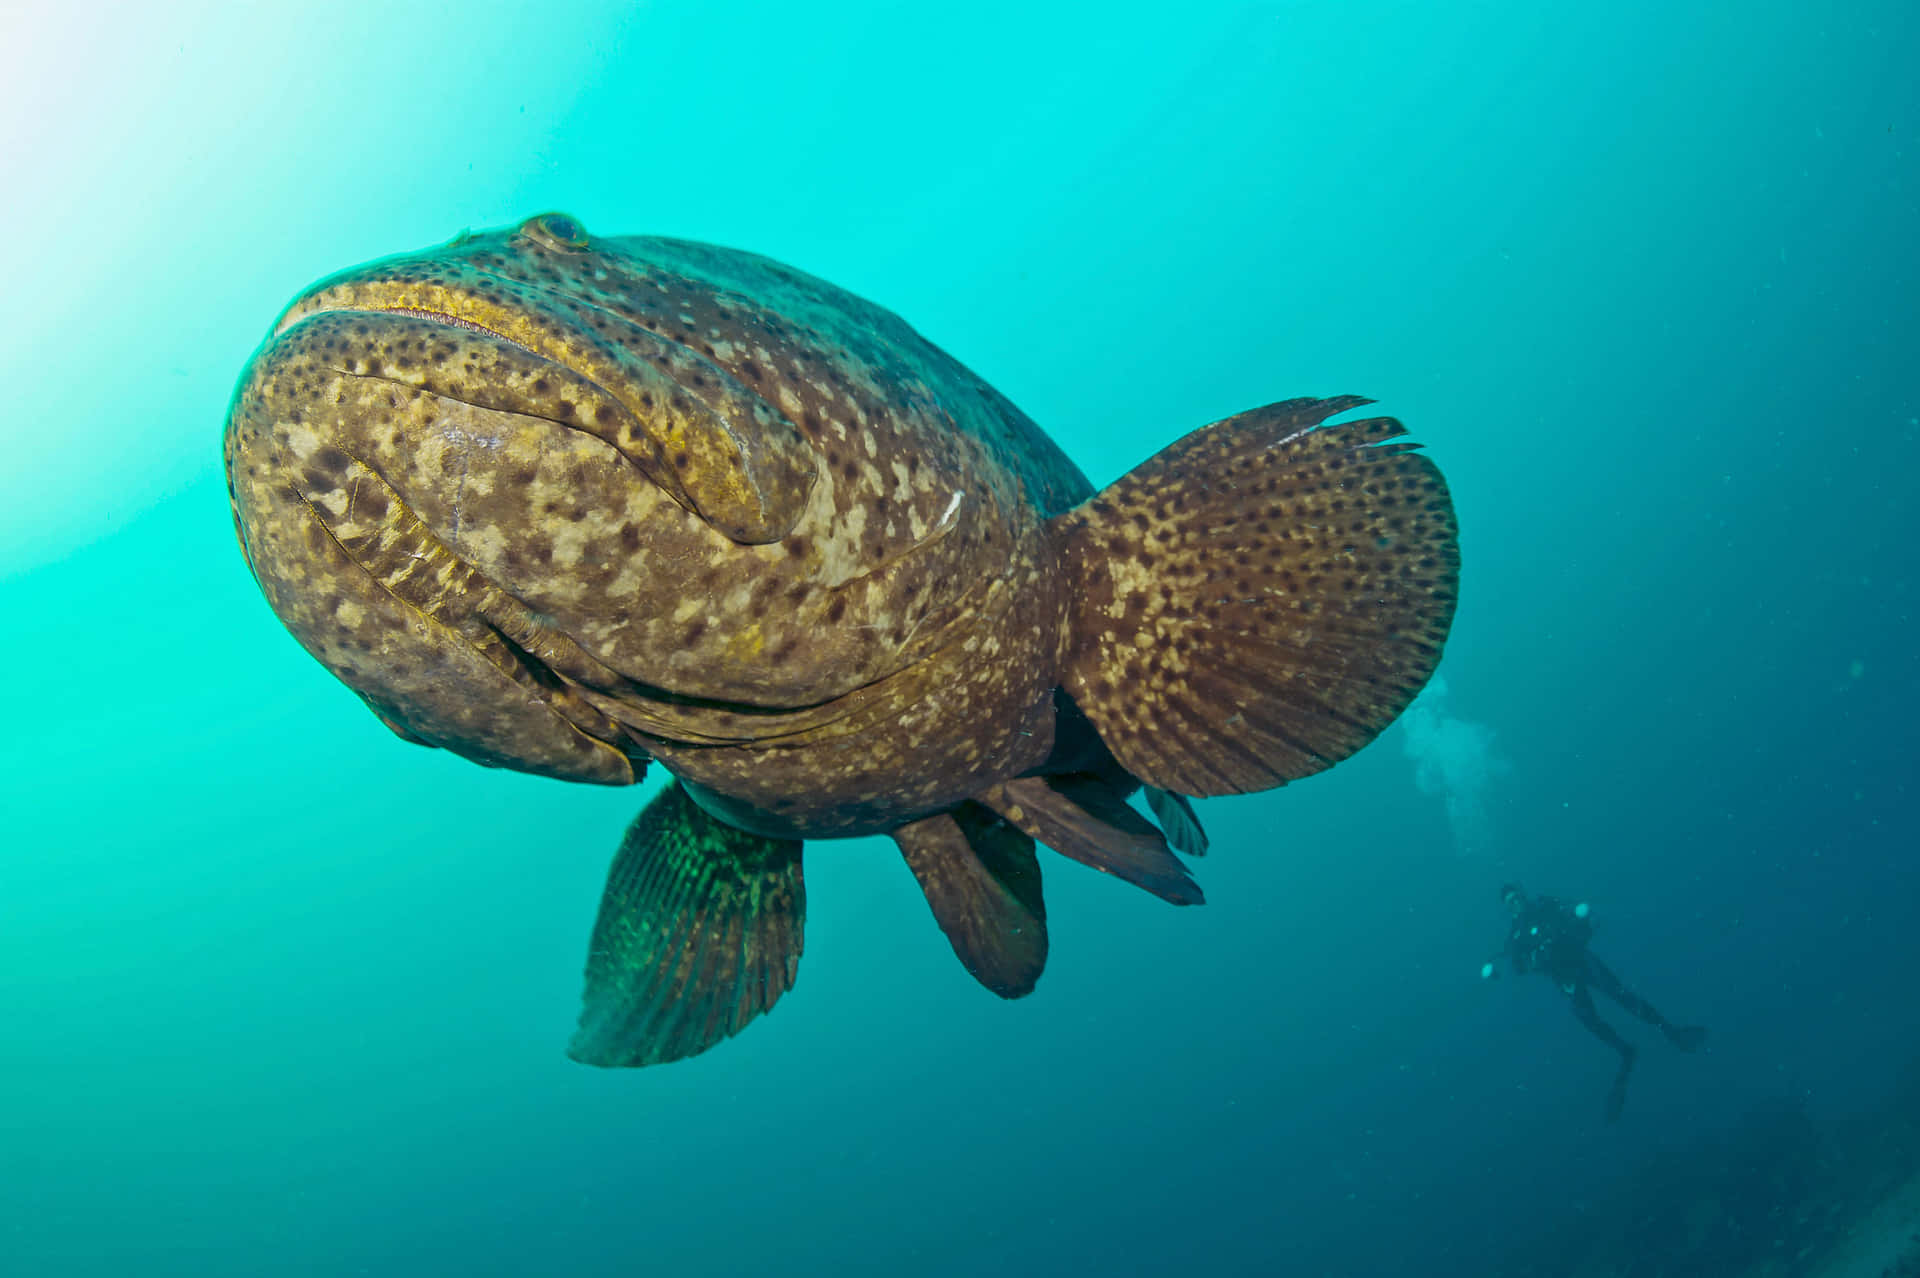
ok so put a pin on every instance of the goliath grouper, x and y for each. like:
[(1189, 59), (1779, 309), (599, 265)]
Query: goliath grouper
[(573, 505)]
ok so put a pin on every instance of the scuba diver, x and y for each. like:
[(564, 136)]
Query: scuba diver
[(1548, 937)]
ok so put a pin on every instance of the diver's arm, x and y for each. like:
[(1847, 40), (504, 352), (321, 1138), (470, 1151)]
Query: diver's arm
[(1511, 951)]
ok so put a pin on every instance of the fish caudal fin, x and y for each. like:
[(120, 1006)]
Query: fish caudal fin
[(1260, 599), (699, 932), (1081, 816), (982, 880)]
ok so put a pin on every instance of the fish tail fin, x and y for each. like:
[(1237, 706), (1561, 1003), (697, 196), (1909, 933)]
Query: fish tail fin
[(699, 932), (1259, 599), (982, 881)]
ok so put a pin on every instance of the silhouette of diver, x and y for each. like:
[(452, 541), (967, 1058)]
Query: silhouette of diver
[(1548, 937)]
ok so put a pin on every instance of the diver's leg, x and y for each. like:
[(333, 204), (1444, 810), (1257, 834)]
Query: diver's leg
[(1582, 1000), (1601, 977)]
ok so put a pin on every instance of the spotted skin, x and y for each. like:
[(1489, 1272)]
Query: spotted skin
[(568, 504), (572, 506)]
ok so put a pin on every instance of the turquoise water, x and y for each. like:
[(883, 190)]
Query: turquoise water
[(286, 995)]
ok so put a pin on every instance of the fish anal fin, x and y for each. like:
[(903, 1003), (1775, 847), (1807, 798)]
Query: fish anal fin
[(700, 930), (1260, 599), (1084, 818), (982, 881)]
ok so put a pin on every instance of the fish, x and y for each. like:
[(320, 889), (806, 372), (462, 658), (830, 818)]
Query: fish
[(578, 505)]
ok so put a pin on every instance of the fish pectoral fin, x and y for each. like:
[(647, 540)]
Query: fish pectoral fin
[(982, 880), (1260, 599), (699, 932), (1083, 817), (1177, 818)]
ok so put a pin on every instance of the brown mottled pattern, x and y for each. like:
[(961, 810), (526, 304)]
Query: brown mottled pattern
[(982, 881), (564, 504), (1085, 818), (1314, 568)]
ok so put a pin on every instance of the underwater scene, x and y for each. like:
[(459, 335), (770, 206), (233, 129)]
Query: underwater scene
[(858, 639)]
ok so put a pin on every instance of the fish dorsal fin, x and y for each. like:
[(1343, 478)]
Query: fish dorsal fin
[(1260, 599), (982, 880), (699, 932), (1083, 817)]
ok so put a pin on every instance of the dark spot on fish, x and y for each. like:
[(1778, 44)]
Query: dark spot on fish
[(837, 608)]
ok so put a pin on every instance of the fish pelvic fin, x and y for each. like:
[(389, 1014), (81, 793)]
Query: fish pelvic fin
[(700, 931), (982, 881), (1082, 816), (1261, 598), (1176, 816)]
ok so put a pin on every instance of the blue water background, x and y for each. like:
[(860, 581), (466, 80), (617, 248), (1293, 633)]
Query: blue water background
[(282, 994)]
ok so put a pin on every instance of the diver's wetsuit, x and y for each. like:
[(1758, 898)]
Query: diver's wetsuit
[(1548, 937)]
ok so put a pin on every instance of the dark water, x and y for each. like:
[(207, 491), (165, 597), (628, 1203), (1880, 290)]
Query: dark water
[(285, 995)]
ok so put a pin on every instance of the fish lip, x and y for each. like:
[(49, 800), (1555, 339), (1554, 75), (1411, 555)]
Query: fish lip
[(755, 468), (296, 316), (310, 304), (438, 317), (301, 312)]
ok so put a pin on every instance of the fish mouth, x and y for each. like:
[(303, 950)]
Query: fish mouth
[(443, 317), (296, 314), (454, 344), (718, 448), (368, 552)]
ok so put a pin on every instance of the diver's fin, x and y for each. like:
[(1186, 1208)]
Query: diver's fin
[(1178, 820), (1617, 1094), (1085, 818), (1688, 1038), (1259, 599), (699, 932), (983, 881)]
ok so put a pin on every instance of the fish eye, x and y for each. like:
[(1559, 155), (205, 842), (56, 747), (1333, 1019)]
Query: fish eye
[(557, 230)]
